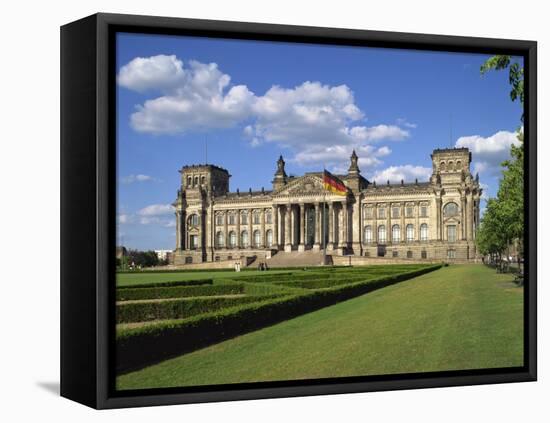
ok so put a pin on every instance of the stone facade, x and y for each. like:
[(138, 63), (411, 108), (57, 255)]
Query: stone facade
[(431, 220)]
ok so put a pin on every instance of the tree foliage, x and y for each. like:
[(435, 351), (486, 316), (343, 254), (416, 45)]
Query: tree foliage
[(503, 220), (515, 74)]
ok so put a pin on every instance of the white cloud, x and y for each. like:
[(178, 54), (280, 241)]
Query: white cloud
[(404, 122), (160, 73), (124, 218), (156, 210), (407, 173), (130, 179), (489, 152), (196, 96)]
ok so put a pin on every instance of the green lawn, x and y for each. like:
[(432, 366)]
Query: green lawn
[(459, 317)]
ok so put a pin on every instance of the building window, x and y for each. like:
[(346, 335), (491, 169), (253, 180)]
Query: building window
[(382, 234), (424, 254), (451, 233), (442, 166), (232, 239), (269, 237), (424, 232), (217, 258), (196, 181), (219, 239), (188, 260), (381, 213), (458, 165), (257, 238), (394, 254), (244, 218), (194, 241), (409, 254), (410, 211), (244, 239), (229, 257), (451, 254), (256, 218), (410, 233), (423, 211), (395, 233), (395, 212), (203, 180), (194, 220), (367, 234), (231, 219), (368, 212), (268, 218), (189, 179), (219, 219), (367, 253), (450, 209)]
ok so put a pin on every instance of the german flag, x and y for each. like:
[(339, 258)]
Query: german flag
[(333, 184)]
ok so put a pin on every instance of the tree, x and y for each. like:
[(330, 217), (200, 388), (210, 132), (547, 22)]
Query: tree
[(503, 220), (515, 74)]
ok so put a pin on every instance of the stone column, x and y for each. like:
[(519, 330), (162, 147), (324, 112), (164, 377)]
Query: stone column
[(288, 240), (417, 219), (250, 235), (470, 219), (330, 245), (438, 217), (238, 244), (302, 244), (275, 217), (225, 231), (178, 230), (344, 231), (374, 224), (356, 225), (464, 218), (316, 243), (403, 232), (262, 229)]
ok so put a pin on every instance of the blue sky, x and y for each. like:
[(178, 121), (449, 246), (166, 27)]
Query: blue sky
[(312, 104)]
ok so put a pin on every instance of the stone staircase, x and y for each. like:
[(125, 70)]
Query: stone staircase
[(297, 259)]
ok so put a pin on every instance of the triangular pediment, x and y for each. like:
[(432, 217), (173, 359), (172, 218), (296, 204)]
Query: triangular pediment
[(305, 186)]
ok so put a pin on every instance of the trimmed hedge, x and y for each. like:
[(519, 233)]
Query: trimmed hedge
[(128, 294), (140, 347), (195, 282), (178, 309)]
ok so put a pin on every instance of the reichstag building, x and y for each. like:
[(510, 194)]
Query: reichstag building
[(420, 220)]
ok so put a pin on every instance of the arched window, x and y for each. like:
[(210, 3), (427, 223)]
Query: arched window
[(194, 220), (203, 180), (269, 237), (458, 165), (220, 241), (244, 218), (196, 181), (382, 234), (395, 233), (232, 239), (410, 233), (442, 166), (257, 238), (450, 209), (367, 234), (424, 232), (268, 217), (450, 166), (189, 179), (256, 218), (244, 239)]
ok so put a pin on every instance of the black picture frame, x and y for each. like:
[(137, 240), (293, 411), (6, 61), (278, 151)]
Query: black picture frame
[(88, 186)]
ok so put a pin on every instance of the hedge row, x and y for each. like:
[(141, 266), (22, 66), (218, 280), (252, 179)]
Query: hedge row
[(177, 291), (140, 347), (195, 282), (179, 309), (326, 283)]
